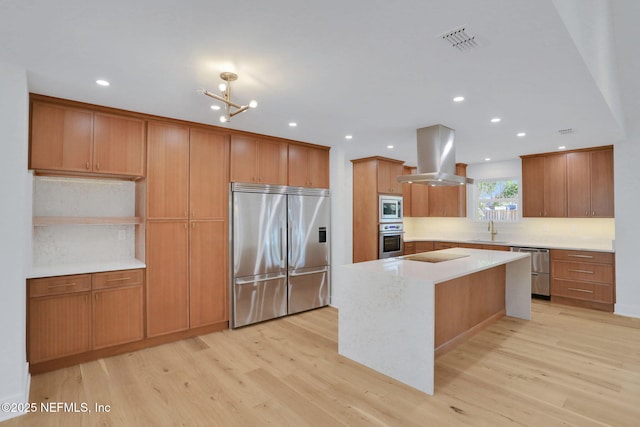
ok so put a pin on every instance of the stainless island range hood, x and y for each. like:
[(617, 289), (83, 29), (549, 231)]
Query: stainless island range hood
[(436, 159)]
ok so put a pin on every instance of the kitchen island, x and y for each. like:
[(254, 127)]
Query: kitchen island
[(396, 315)]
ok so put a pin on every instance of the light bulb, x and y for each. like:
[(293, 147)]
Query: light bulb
[(222, 87), (223, 119), (253, 103)]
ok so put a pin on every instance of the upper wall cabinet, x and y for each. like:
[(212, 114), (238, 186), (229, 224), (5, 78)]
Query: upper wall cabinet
[(388, 172), (544, 186), (590, 183), (259, 161), (308, 166), (574, 184), (71, 139)]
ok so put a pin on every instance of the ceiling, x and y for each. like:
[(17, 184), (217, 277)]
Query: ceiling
[(377, 70)]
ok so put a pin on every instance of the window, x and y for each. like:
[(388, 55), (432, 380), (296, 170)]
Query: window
[(496, 199)]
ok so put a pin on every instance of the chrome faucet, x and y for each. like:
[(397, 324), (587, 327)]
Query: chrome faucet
[(493, 230)]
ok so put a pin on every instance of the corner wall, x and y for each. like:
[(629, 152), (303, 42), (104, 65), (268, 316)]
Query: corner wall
[(15, 235)]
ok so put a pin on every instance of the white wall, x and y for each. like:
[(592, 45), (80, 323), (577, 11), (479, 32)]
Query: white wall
[(627, 161), (15, 235)]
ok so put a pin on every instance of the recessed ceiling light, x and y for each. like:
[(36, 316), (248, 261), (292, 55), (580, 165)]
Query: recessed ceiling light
[(562, 147), (215, 107), (389, 147), (486, 159), (102, 82), (348, 137), (521, 134), (495, 120), (458, 99), (293, 124)]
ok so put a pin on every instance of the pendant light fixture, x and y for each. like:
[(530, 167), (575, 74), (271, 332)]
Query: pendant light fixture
[(231, 108)]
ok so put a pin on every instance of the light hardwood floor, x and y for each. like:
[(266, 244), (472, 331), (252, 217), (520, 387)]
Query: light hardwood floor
[(566, 367)]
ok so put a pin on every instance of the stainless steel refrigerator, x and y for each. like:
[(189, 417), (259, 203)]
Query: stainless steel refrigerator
[(280, 251)]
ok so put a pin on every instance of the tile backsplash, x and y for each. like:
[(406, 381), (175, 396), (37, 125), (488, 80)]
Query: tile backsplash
[(82, 197)]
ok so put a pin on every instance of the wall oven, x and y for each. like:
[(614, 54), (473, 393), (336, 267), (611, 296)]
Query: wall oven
[(390, 208), (391, 243)]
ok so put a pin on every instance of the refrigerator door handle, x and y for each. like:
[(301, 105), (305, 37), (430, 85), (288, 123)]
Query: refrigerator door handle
[(306, 273), (263, 279)]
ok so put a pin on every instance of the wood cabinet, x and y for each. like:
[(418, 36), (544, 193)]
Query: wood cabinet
[(573, 184), (167, 171), (69, 139), (590, 183), (259, 161), (416, 197), (208, 284), (449, 201), (367, 186), (59, 318), (308, 166), (74, 314), (444, 245), (186, 246), (167, 277), (387, 176), (583, 278), (118, 306), (424, 246)]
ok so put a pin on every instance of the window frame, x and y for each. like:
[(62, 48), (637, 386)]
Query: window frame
[(475, 199)]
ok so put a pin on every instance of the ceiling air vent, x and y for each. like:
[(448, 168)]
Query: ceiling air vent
[(460, 39), (565, 131)]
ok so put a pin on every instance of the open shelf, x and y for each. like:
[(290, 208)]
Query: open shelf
[(75, 220)]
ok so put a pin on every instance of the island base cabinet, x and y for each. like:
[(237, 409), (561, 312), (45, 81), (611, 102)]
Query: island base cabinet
[(466, 305)]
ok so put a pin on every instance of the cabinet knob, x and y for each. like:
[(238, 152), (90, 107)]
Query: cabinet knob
[(87, 165), (98, 166)]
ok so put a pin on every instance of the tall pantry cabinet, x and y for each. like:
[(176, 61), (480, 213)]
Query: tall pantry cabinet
[(187, 176)]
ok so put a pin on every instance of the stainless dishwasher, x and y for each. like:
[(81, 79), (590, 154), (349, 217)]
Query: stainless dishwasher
[(539, 271)]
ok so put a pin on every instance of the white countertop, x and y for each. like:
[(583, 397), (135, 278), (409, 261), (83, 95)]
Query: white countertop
[(386, 308), (84, 268), (575, 245), (477, 260)]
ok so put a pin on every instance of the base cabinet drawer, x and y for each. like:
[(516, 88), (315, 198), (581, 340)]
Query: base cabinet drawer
[(583, 278), (599, 273), (596, 292)]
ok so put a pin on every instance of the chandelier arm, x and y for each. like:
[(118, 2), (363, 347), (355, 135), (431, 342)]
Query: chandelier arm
[(240, 110), (221, 99)]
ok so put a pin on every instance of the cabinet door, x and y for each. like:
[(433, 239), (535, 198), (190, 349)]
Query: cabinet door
[(419, 200), (208, 286), (243, 166), (533, 187), (555, 186), (117, 316), (59, 326), (208, 175), (167, 171), (318, 168), (272, 162), (118, 146), (388, 173), (602, 189), (444, 201), (298, 166), (61, 138), (578, 185), (167, 277)]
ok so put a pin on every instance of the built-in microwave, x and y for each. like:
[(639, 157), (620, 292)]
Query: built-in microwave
[(390, 208)]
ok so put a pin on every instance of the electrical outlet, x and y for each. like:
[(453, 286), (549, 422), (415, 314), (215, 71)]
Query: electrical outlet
[(122, 234)]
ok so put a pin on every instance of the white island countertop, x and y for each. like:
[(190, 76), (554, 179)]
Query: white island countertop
[(386, 308)]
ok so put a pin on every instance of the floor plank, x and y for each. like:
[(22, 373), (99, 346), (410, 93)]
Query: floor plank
[(566, 367)]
